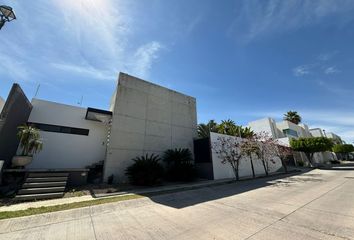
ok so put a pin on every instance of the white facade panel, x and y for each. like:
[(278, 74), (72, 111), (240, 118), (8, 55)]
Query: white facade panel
[(63, 150)]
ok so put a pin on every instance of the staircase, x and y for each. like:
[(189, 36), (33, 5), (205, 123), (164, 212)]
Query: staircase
[(43, 185)]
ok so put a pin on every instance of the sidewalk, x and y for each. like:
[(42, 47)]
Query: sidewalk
[(145, 191)]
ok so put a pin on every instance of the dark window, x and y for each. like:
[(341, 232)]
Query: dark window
[(60, 129)]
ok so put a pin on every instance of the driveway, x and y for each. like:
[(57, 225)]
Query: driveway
[(315, 205)]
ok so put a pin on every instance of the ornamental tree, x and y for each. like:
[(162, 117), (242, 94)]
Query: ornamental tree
[(283, 152), (312, 145), (228, 150), (266, 149), (343, 149), (250, 147)]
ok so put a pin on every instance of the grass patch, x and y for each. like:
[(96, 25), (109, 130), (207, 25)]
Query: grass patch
[(66, 206)]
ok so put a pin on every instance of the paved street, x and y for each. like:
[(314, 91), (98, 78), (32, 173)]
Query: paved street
[(315, 205)]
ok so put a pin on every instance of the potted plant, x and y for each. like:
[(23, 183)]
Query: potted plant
[(30, 143)]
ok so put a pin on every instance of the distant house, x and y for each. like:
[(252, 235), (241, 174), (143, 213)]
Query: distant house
[(285, 130), (142, 118)]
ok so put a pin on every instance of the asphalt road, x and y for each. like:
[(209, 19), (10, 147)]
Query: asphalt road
[(315, 205)]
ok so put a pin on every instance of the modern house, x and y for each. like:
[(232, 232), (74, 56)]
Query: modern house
[(143, 118), (285, 130)]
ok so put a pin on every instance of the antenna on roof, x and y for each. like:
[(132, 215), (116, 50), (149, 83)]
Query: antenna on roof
[(80, 102), (37, 90)]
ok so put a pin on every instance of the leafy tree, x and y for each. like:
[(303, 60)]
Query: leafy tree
[(205, 129), (292, 116), (311, 145), (343, 149), (229, 151), (227, 127), (249, 147)]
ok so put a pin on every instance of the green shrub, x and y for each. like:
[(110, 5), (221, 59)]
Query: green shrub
[(179, 165), (146, 170)]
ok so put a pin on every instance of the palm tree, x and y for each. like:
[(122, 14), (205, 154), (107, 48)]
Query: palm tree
[(292, 116), (205, 129), (30, 141), (228, 127)]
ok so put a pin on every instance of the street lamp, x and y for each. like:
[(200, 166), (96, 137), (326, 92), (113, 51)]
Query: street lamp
[(6, 15)]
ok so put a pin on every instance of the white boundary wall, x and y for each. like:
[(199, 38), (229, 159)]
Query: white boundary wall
[(222, 171)]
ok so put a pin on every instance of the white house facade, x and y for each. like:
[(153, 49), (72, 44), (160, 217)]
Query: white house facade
[(285, 130), (70, 139)]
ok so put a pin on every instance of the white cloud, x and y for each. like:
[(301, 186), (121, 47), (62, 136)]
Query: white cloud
[(301, 70), (327, 56), (264, 18), (85, 70), (331, 70), (14, 68), (144, 57)]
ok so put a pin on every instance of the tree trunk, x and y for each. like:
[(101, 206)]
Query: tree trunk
[(237, 167), (309, 157), (254, 176), (284, 165), (265, 168)]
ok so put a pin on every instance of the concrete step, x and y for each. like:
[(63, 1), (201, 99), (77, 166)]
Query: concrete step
[(25, 191), (28, 197), (47, 174), (45, 179), (44, 184)]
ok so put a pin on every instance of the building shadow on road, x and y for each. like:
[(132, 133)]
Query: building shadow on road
[(188, 198)]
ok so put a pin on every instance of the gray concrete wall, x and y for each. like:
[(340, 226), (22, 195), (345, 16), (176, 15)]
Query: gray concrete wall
[(147, 118), (2, 103), (15, 112)]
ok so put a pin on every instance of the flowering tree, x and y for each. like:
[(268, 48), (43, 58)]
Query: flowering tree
[(229, 151), (283, 152), (266, 149), (249, 147)]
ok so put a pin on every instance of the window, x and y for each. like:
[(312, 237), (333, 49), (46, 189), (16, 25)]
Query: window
[(60, 129), (290, 132)]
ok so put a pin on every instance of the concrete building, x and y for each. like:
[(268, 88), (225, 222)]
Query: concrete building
[(336, 138), (144, 118), (147, 118)]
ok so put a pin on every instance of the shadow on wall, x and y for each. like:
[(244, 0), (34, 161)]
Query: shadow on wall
[(192, 197)]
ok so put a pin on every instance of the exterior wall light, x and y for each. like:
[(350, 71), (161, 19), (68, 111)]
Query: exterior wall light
[(6, 15)]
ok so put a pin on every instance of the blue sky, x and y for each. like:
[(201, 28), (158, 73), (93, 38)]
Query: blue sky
[(242, 60)]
